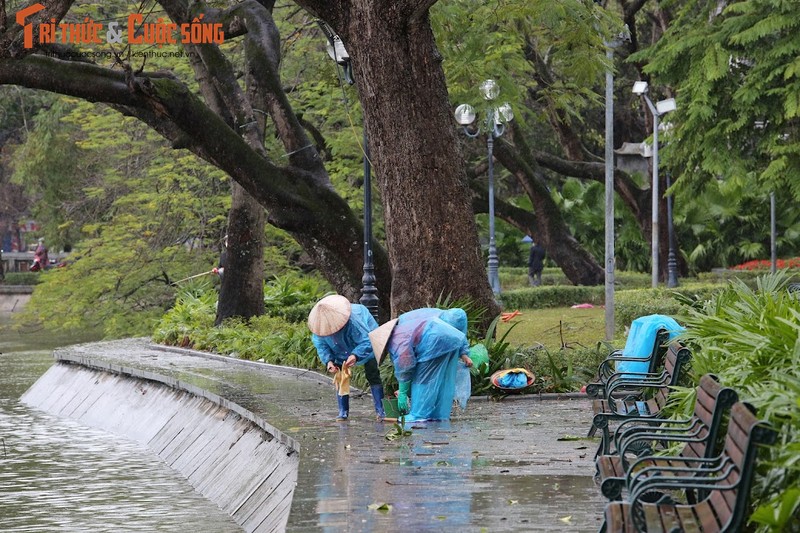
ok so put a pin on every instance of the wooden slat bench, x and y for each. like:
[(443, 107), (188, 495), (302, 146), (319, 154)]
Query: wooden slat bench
[(637, 405), (699, 433), (608, 367), (726, 481)]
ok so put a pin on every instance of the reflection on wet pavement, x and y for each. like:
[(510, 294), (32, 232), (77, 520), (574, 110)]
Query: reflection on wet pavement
[(498, 465)]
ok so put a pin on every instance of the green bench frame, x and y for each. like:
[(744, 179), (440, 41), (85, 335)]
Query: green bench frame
[(607, 367), (724, 480), (636, 405), (698, 433)]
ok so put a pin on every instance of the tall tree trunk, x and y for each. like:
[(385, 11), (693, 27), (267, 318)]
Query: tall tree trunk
[(242, 291), (432, 238)]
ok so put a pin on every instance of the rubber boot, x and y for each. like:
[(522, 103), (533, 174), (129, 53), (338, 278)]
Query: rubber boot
[(344, 406), (377, 399)]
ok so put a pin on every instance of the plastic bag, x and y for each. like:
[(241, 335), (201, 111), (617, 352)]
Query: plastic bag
[(463, 385), (479, 357)]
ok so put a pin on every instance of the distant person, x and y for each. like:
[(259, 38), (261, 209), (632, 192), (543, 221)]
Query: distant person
[(40, 260), (340, 333), (219, 270), (425, 351), (536, 264)]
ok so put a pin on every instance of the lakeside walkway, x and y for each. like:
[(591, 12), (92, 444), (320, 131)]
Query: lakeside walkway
[(512, 465)]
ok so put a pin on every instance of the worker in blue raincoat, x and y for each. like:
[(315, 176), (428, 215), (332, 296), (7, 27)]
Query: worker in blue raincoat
[(425, 351), (456, 317), (340, 333)]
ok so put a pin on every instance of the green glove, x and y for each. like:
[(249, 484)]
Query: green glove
[(402, 397)]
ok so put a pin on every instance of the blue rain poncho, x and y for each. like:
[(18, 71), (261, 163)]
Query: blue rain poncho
[(455, 317), (641, 338), (353, 338), (426, 351)]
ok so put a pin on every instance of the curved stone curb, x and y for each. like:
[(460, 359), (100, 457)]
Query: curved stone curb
[(277, 369), (173, 383), (315, 376)]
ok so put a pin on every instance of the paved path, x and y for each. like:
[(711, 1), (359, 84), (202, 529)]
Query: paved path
[(498, 466)]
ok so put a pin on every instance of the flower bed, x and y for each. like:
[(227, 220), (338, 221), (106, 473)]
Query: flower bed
[(765, 264)]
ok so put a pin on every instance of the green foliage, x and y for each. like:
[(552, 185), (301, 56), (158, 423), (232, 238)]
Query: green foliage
[(750, 338), (45, 166), (146, 216), (292, 295), (552, 296), (499, 358), (21, 278), (631, 304), (190, 323), (475, 313), (734, 67), (583, 208), (725, 223)]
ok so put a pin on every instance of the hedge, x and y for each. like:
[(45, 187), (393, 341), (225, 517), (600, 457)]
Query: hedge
[(552, 296), (21, 278)]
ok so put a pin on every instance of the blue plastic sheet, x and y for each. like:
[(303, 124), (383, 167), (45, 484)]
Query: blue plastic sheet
[(463, 385), (642, 337), (513, 380)]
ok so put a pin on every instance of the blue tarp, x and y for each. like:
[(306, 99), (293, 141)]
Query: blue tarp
[(642, 337)]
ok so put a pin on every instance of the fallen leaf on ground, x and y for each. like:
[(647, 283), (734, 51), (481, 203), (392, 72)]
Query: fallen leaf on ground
[(382, 507)]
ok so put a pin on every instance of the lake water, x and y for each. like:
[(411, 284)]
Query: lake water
[(57, 475)]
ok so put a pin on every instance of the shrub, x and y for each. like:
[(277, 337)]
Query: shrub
[(750, 338), (190, 323), (22, 278), (631, 304), (552, 296)]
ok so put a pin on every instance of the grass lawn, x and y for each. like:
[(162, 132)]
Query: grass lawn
[(556, 328)]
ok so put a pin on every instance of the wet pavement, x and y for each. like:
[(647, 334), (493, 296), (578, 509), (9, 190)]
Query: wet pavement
[(513, 465)]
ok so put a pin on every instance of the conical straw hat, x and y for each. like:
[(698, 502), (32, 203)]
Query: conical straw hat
[(379, 337), (329, 315)]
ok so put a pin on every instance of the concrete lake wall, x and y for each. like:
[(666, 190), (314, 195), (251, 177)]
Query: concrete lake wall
[(14, 297), (231, 456)]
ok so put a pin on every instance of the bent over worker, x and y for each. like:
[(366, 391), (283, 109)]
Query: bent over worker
[(340, 333), (425, 351)]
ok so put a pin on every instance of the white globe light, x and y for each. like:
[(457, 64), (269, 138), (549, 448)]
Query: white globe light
[(504, 113), (490, 89), (465, 114)]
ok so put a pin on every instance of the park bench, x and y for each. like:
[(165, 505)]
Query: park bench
[(637, 405), (608, 367), (724, 481), (699, 433)]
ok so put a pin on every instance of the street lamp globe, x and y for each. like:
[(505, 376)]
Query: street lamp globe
[(465, 114), (504, 114), (490, 89)]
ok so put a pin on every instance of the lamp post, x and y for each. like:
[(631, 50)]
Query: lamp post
[(672, 262), (496, 119), (369, 291), (657, 110), (610, 257), (773, 235)]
